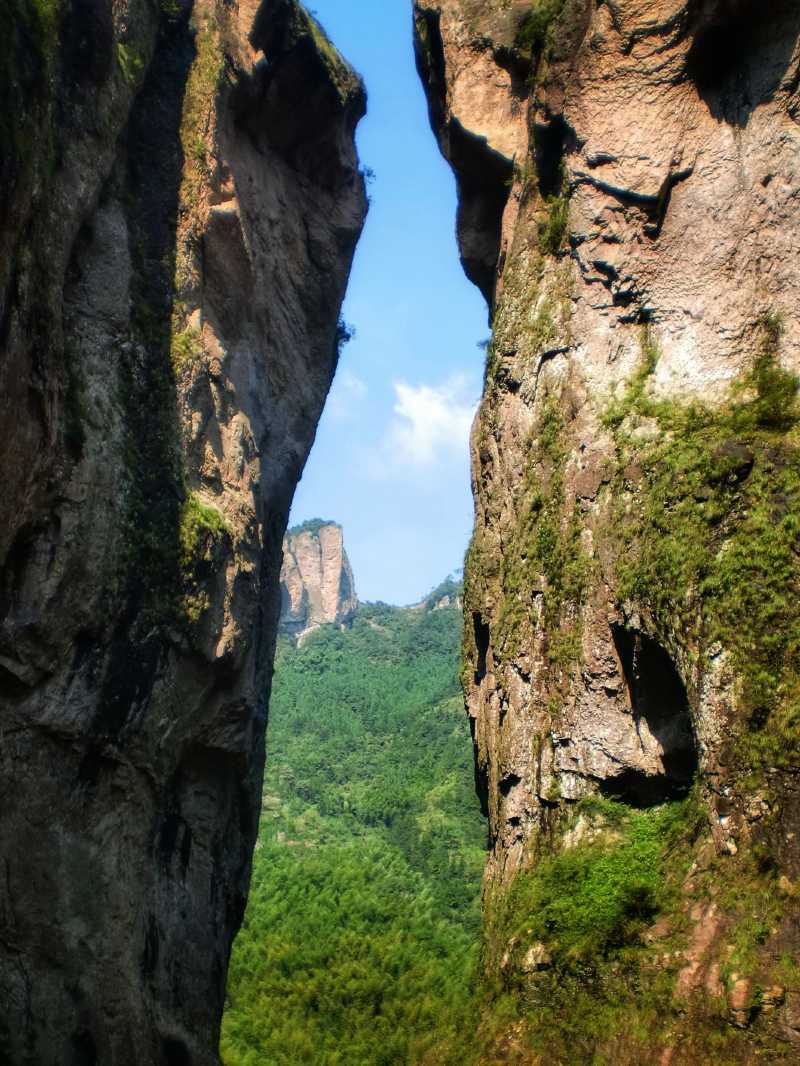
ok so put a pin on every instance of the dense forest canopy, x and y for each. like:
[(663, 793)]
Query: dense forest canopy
[(360, 941)]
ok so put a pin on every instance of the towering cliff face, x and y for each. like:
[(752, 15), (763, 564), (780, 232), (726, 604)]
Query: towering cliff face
[(628, 175), (181, 204), (317, 584)]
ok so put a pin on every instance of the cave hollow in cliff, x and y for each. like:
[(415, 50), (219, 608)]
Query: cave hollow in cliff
[(658, 700), (740, 53), (550, 145), (482, 642)]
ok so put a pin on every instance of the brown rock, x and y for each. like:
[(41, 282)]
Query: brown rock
[(791, 1015), (628, 244), (733, 460), (740, 1001), (705, 927), (175, 240), (536, 959), (317, 585), (772, 998)]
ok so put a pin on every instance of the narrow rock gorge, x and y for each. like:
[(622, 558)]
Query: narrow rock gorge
[(628, 204), (181, 204)]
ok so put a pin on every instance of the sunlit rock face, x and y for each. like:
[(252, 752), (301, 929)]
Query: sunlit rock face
[(181, 204), (317, 585), (629, 180)]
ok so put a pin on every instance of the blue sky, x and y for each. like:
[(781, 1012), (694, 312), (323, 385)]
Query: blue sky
[(391, 459)]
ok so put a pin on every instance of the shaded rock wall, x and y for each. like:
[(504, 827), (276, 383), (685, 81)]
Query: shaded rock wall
[(181, 205), (629, 207), (317, 584)]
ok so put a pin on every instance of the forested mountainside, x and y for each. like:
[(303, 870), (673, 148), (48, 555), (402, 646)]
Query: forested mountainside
[(360, 940), (629, 177), (181, 200)]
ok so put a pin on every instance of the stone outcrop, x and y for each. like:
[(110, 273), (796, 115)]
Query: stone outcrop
[(628, 178), (181, 202), (317, 585)]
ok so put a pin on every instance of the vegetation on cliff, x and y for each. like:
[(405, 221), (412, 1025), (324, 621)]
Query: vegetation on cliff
[(360, 939), (202, 529), (591, 953), (537, 24), (311, 525), (583, 952), (543, 546), (580, 964), (709, 515), (623, 511)]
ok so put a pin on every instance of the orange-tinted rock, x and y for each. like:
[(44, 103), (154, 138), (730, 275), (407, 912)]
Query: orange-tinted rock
[(628, 205), (317, 584)]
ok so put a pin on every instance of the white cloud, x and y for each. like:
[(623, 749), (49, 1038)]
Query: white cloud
[(430, 424), (347, 392)]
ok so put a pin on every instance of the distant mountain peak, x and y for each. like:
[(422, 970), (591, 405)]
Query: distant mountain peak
[(317, 585)]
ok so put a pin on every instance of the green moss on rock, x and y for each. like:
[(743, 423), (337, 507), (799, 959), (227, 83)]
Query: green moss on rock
[(545, 557), (200, 529), (186, 348), (585, 948), (710, 522), (131, 62), (536, 26), (201, 533), (553, 230), (588, 901)]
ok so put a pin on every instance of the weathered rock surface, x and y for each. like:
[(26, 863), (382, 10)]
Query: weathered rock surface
[(317, 584), (629, 187), (181, 204)]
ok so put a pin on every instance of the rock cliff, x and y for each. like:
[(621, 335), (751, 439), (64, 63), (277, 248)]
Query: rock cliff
[(317, 585), (181, 204), (628, 179)]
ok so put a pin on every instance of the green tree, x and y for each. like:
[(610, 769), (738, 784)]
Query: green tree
[(360, 941)]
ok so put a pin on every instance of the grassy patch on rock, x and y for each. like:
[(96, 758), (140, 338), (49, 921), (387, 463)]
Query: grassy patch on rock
[(131, 62), (201, 533), (596, 895), (584, 948), (186, 347)]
